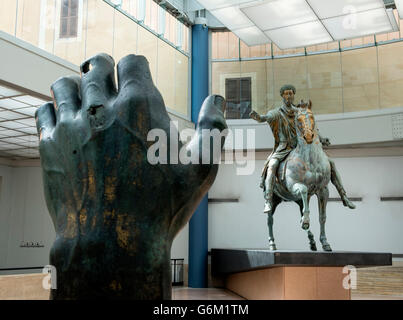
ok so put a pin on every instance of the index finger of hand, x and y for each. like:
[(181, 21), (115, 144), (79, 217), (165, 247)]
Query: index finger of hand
[(45, 119)]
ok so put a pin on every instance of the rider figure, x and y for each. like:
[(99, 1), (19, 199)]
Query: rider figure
[(282, 124)]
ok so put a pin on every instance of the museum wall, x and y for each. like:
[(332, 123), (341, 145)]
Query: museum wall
[(372, 226)]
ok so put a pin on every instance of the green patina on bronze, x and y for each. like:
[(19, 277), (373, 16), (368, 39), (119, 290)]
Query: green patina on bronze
[(115, 214), (298, 167)]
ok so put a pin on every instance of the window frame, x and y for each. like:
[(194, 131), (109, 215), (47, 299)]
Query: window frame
[(239, 96), (69, 18), (78, 36)]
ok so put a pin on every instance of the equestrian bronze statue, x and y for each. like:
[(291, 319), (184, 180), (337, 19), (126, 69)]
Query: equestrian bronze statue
[(115, 213), (298, 167)]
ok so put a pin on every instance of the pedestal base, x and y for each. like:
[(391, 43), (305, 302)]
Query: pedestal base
[(291, 275), (290, 283), (23, 287)]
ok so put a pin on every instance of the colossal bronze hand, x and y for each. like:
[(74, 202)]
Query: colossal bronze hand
[(115, 214)]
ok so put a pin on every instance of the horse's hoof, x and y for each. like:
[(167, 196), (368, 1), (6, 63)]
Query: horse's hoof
[(327, 247), (305, 225), (313, 247), (348, 203), (272, 247)]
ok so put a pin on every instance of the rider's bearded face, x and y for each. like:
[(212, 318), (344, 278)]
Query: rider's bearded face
[(288, 97)]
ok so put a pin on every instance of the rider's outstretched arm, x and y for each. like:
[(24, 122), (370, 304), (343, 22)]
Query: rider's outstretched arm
[(262, 118), (323, 140)]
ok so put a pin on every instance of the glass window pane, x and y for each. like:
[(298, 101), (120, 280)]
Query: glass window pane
[(154, 16), (73, 25), (279, 52), (172, 28), (166, 73), (100, 28), (245, 50), (223, 45), (323, 47), (72, 47), (125, 38), (64, 12), (390, 74), (7, 16), (256, 71), (360, 79), (238, 95), (73, 7), (290, 71), (233, 45), (186, 39), (269, 87), (181, 83), (325, 85), (147, 46), (28, 21), (47, 29), (63, 27), (214, 45), (130, 6)]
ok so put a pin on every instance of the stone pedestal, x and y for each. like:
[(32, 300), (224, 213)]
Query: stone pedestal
[(23, 287), (291, 275)]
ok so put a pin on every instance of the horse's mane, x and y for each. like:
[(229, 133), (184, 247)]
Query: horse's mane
[(298, 111)]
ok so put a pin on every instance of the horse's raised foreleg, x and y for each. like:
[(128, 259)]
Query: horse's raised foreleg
[(312, 243), (323, 196), (276, 202), (302, 191)]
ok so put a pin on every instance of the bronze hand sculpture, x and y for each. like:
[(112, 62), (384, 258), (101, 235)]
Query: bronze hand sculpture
[(115, 214)]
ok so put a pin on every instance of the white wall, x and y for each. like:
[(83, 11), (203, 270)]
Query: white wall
[(372, 226), (23, 217)]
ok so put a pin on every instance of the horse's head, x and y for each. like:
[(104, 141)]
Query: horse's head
[(305, 121)]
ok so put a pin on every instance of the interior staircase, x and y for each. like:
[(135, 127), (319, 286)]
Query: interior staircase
[(386, 281)]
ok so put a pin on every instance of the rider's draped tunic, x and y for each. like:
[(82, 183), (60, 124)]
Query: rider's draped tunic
[(282, 124)]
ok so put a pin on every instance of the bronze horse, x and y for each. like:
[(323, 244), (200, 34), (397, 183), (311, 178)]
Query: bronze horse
[(306, 171)]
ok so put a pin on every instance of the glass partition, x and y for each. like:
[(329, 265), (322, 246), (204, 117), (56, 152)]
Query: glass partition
[(100, 28), (390, 74), (181, 83), (360, 79), (8, 16), (166, 73), (325, 83), (342, 76)]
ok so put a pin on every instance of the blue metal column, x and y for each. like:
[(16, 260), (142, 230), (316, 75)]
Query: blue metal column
[(198, 225)]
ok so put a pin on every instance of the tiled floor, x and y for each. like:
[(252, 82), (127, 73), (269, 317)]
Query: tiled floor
[(185, 293)]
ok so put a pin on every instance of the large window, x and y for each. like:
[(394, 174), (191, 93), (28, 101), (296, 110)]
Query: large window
[(69, 19), (239, 97)]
